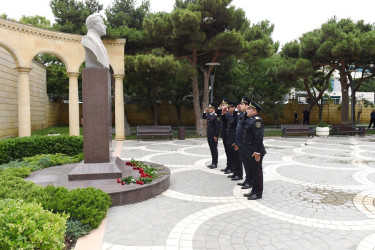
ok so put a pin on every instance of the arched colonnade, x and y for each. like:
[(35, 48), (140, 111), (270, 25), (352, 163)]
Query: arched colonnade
[(24, 42)]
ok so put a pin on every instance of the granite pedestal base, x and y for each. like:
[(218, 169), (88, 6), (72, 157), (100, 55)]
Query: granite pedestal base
[(97, 171), (120, 194)]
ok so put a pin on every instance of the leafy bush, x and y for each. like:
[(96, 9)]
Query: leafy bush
[(27, 226), (322, 124), (49, 160), (13, 187), (88, 205), (53, 132), (75, 229), (38, 162), (18, 148)]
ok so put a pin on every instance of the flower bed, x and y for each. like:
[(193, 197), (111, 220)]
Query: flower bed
[(148, 173)]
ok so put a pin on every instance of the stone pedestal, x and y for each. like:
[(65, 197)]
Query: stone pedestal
[(97, 131), (97, 171)]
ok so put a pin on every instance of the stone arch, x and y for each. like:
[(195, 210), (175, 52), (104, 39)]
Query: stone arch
[(55, 53), (24, 42), (12, 52)]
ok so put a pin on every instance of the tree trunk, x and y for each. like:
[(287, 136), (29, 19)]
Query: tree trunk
[(320, 107), (206, 92), (199, 122), (155, 105), (345, 98), (178, 108), (127, 127)]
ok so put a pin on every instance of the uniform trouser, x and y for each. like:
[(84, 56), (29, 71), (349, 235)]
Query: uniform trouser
[(257, 174), (237, 162), (246, 165), (227, 153), (372, 121), (213, 149)]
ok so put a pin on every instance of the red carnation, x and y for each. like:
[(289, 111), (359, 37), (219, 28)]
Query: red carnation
[(128, 163), (122, 183), (118, 180)]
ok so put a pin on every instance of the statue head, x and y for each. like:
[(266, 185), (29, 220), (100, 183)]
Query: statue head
[(95, 23)]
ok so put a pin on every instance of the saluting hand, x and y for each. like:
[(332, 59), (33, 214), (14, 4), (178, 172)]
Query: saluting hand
[(215, 138), (256, 156), (235, 147)]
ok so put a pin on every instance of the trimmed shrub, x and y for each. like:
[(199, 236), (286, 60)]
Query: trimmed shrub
[(18, 148), (13, 187), (27, 226), (75, 229), (88, 205)]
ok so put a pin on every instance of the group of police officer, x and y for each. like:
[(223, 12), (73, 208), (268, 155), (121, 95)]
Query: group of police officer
[(242, 131)]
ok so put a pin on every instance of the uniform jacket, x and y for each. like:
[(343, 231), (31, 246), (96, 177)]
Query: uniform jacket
[(253, 135), (230, 129), (241, 120), (372, 115), (223, 125), (213, 125)]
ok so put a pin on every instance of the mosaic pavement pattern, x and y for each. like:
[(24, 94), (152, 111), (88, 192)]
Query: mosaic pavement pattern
[(319, 193)]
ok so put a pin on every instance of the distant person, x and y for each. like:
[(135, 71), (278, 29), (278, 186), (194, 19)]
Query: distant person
[(372, 119), (306, 116), (295, 117)]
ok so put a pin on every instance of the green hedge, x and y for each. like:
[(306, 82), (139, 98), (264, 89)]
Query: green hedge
[(88, 205), (27, 226), (20, 147)]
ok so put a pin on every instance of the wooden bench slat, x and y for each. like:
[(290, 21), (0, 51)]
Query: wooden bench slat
[(296, 129), (154, 131), (347, 128)]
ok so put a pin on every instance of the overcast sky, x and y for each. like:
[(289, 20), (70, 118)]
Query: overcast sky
[(291, 18)]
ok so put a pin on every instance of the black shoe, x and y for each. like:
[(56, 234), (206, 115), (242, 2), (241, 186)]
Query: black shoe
[(254, 197), (228, 171), (213, 166), (242, 183), (224, 169), (248, 194), (231, 176), (236, 178), (246, 186), (209, 166)]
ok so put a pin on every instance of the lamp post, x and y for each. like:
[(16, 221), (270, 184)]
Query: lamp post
[(212, 79)]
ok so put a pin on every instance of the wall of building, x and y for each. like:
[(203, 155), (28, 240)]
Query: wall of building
[(43, 113), (167, 114)]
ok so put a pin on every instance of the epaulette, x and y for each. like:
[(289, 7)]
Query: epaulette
[(257, 117), (214, 114)]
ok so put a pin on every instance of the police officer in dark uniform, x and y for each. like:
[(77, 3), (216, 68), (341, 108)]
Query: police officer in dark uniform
[(254, 150), (213, 129), (223, 133), (238, 146), (231, 119)]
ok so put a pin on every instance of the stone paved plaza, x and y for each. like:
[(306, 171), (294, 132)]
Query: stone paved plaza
[(319, 193)]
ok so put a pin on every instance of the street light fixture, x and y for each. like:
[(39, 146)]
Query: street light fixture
[(212, 79)]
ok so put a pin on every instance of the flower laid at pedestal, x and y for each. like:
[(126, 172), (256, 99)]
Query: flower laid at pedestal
[(148, 173)]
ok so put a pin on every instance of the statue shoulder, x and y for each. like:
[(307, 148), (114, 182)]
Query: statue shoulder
[(88, 42)]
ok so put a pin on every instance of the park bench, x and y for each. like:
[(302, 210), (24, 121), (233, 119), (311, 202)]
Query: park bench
[(296, 129), (154, 131), (347, 129)]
